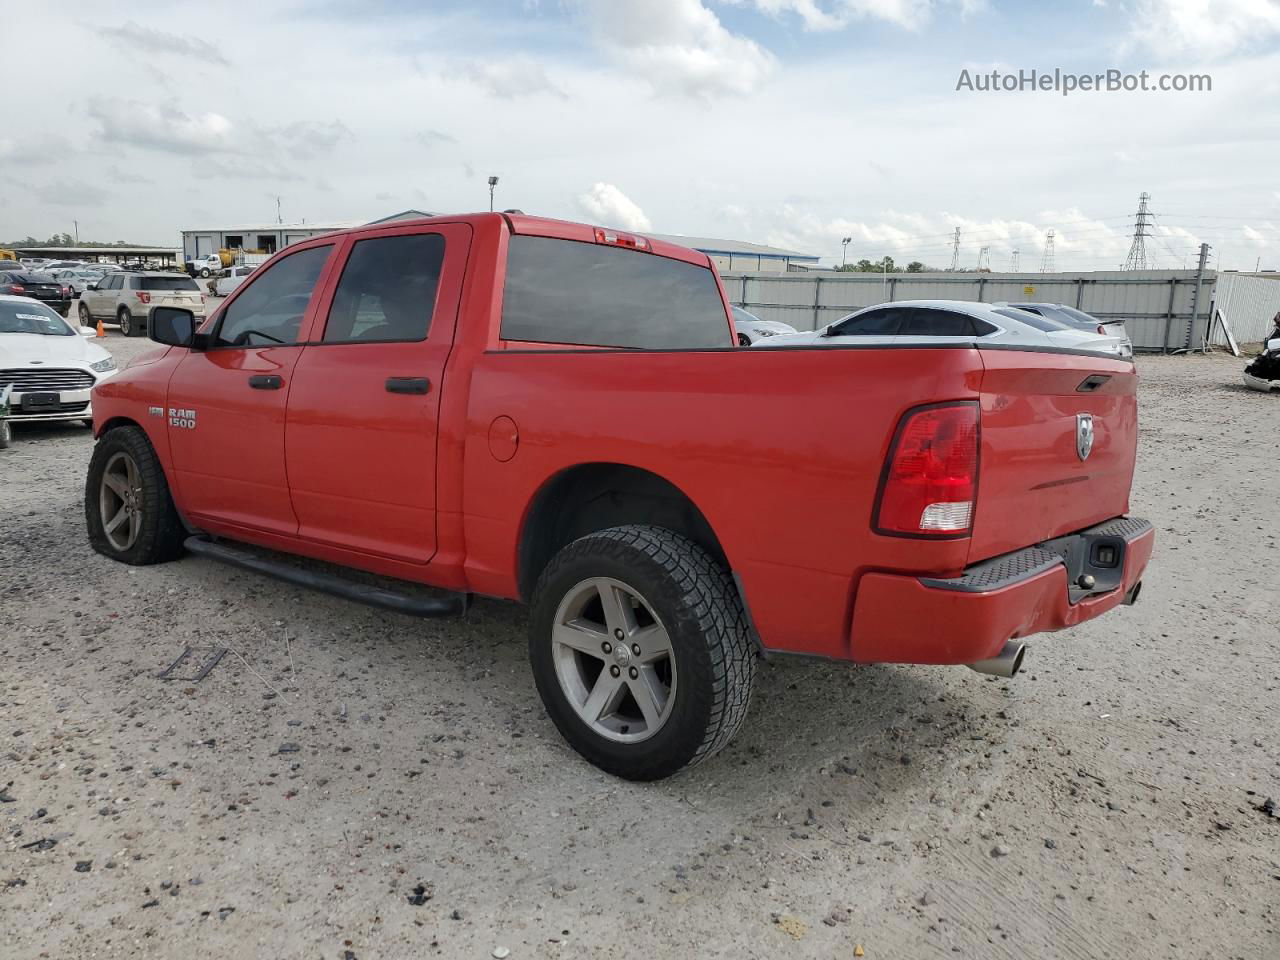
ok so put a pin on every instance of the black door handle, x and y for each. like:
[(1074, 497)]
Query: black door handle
[(266, 381), (408, 385)]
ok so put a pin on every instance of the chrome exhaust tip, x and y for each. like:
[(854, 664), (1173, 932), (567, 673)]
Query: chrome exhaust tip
[(1006, 663)]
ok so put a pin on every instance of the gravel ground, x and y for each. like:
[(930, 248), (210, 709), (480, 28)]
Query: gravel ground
[(350, 783)]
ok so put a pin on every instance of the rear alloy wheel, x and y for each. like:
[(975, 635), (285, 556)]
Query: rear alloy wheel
[(640, 650), (128, 509), (128, 325), (86, 319)]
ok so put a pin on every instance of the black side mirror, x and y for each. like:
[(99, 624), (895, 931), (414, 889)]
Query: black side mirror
[(92, 286), (172, 326)]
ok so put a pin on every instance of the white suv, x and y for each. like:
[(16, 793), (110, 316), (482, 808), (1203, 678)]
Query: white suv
[(129, 298)]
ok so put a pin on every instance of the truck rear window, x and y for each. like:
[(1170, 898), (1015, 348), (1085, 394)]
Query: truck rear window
[(562, 291), (167, 283)]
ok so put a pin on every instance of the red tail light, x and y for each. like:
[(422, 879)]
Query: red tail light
[(614, 238), (142, 296), (1102, 329), (930, 482), (17, 288)]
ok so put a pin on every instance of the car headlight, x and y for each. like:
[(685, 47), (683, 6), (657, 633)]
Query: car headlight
[(102, 366)]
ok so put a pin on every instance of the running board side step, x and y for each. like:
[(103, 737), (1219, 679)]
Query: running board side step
[(452, 605)]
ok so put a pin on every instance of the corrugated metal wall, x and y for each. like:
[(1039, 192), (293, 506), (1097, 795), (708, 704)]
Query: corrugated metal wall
[(1156, 305), (1249, 303)]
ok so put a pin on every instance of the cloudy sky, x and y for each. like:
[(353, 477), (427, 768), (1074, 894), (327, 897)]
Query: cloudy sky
[(791, 122)]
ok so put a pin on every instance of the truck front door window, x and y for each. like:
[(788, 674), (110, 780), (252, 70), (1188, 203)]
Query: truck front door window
[(387, 291), (271, 309)]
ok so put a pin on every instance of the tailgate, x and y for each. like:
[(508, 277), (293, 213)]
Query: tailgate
[(1039, 476)]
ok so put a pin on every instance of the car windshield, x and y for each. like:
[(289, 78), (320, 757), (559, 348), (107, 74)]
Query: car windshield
[(32, 317), (168, 283), (744, 316)]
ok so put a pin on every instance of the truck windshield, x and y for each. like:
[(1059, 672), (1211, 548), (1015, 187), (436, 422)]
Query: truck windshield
[(563, 291)]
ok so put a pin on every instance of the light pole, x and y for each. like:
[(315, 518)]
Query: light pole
[(77, 223), (493, 182), (844, 250)]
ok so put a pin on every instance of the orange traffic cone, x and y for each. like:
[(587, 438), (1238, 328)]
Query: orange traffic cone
[(101, 332)]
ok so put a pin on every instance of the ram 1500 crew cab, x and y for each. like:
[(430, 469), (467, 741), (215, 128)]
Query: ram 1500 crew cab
[(560, 414)]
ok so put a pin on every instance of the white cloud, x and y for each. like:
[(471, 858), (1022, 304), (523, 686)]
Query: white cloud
[(166, 127), (507, 78), (837, 14), (134, 38), (606, 204), (1204, 28), (679, 46)]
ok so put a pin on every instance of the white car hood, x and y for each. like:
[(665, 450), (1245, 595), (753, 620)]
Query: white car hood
[(792, 339), (23, 349)]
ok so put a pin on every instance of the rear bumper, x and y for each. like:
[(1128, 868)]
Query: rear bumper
[(906, 619)]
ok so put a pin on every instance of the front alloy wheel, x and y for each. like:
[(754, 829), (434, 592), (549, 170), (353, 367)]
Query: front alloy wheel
[(120, 502), (614, 660)]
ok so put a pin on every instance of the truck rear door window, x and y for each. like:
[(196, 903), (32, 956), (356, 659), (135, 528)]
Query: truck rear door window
[(562, 291)]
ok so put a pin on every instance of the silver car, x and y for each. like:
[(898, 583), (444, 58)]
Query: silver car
[(1073, 317), (128, 299), (944, 322)]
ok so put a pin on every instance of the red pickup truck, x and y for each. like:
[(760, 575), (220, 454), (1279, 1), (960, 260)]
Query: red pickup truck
[(556, 413)]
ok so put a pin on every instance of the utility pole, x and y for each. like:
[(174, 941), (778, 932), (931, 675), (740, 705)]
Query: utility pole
[(1013, 261), (955, 252), (844, 251), (279, 219), (984, 259), (1137, 259), (493, 182), (1195, 303), (1046, 263), (77, 223)]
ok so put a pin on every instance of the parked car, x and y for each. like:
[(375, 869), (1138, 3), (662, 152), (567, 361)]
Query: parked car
[(37, 286), (751, 328), (129, 298), (547, 411), (229, 278), (77, 278), (1072, 317), (10, 266), (205, 265), (905, 322), (49, 364), (34, 263), (53, 266)]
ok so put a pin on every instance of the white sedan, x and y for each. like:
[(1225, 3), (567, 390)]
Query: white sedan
[(943, 322), (751, 329), (48, 363)]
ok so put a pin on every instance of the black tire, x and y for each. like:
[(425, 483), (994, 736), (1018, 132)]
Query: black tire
[(129, 326), (697, 601), (86, 318), (744, 340), (162, 533)]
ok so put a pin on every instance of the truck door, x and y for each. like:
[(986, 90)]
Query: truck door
[(363, 413), (226, 409)]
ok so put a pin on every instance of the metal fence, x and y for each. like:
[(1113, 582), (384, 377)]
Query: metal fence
[(1159, 307), (1248, 303)]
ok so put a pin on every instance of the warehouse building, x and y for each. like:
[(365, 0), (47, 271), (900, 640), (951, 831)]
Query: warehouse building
[(268, 238)]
